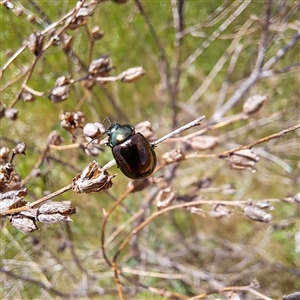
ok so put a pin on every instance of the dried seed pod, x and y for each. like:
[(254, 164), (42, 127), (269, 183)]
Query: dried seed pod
[(93, 130), (53, 207), (24, 224), (203, 142), (145, 128), (196, 210), (36, 42), (100, 66), (6, 172), (62, 80), (71, 120), (97, 34), (4, 155), (80, 18), (257, 214), (164, 197), (243, 159), (92, 149), (19, 149), (7, 4), (15, 182), (27, 96), (92, 179), (59, 94), (132, 74), (219, 211), (174, 155), (12, 199), (253, 104), (11, 114), (53, 218), (67, 42), (297, 198), (31, 18), (54, 138)]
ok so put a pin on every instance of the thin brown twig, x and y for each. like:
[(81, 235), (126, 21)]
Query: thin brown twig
[(248, 289)]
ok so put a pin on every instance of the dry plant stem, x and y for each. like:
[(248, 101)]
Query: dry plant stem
[(240, 203), (119, 286), (179, 130), (35, 203), (46, 287), (40, 55), (72, 250), (251, 80), (14, 80), (25, 82), (249, 146), (233, 288), (164, 67), (12, 59), (215, 34), (104, 221), (262, 140)]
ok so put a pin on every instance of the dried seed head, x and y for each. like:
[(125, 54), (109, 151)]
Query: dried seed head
[(219, 211), (62, 80), (100, 67), (196, 210), (145, 128), (4, 155), (257, 214), (92, 149), (253, 104), (203, 142), (24, 224), (36, 42), (54, 138), (243, 159), (12, 199), (59, 94), (19, 11), (71, 120), (97, 34), (67, 42), (11, 114), (53, 218), (174, 155), (6, 172), (132, 74), (31, 18), (164, 197), (92, 131), (92, 179), (53, 207), (80, 18), (7, 4), (15, 182), (19, 149), (27, 96), (55, 39)]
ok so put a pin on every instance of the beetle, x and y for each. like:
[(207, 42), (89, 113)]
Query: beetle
[(134, 155)]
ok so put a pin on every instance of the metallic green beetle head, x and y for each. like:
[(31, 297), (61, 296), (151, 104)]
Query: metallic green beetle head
[(117, 134)]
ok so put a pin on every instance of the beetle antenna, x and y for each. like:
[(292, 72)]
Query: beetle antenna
[(106, 119), (96, 137)]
